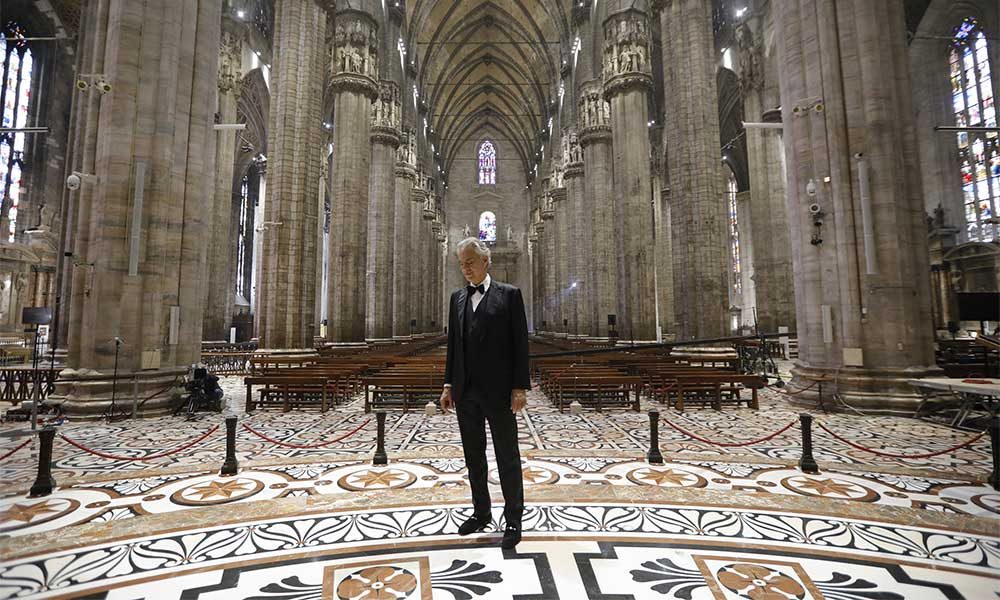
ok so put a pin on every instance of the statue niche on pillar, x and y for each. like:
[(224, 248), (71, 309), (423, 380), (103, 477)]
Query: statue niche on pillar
[(626, 44), (594, 109), (385, 114), (575, 152), (751, 71), (355, 46), (406, 153)]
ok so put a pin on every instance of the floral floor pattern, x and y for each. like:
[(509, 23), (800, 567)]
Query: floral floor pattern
[(710, 522)]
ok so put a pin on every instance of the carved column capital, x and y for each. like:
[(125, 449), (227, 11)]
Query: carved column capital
[(354, 59), (230, 59), (626, 58), (385, 115)]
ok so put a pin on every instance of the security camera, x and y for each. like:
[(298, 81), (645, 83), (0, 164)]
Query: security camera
[(82, 85), (103, 86), (817, 214), (811, 188), (76, 178)]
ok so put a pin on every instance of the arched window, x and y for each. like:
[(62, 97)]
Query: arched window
[(734, 236), (488, 227), (487, 163), (244, 227), (978, 151), (15, 93)]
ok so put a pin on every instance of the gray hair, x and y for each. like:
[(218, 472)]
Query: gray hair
[(480, 246)]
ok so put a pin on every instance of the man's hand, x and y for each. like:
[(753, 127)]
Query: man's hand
[(518, 399), (446, 402)]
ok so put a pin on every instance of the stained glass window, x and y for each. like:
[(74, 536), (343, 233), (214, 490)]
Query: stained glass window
[(488, 227), (487, 163), (246, 204), (15, 92), (978, 151), (734, 236)]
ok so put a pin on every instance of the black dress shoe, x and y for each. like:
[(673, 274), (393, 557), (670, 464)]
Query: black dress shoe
[(473, 524), (511, 537)]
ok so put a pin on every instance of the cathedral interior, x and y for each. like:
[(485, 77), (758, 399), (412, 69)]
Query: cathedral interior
[(758, 243)]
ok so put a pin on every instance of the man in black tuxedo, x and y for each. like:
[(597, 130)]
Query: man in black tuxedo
[(486, 379)]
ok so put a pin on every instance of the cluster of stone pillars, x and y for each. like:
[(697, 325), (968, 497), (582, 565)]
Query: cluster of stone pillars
[(385, 228), (861, 284), (631, 267), (137, 231)]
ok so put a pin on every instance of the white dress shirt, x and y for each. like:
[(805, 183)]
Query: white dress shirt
[(476, 296)]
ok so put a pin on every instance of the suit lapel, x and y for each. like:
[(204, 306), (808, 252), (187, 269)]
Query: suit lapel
[(462, 295)]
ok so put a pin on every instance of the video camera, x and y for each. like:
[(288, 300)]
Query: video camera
[(203, 392)]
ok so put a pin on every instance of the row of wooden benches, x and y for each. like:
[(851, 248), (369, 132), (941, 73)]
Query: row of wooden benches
[(397, 382), (620, 383), (387, 381)]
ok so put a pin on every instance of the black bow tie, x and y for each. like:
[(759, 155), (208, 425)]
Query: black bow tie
[(476, 288)]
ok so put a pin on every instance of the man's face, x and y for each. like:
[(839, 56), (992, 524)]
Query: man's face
[(473, 266)]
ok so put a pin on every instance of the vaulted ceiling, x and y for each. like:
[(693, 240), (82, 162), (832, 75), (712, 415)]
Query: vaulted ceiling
[(487, 67)]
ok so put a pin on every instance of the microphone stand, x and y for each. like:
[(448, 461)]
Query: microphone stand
[(110, 413)]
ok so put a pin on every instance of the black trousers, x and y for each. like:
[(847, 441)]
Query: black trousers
[(473, 410)]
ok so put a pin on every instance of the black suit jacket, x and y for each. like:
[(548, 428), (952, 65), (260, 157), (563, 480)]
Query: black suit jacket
[(502, 361)]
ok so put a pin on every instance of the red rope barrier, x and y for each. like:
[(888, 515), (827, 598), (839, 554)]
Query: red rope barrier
[(304, 446), (733, 444), (664, 389), (892, 455), (23, 444), (77, 444)]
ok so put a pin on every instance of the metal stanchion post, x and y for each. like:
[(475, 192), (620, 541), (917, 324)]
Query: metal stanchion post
[(230, 466), (807, 463), (995, 445), (44, 481), (380, 457), (654, 456)]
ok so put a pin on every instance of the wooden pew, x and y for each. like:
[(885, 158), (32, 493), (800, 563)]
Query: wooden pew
[(290, 389)]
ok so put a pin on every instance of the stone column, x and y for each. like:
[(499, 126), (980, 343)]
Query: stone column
[(772, 251), (550, 303), (578, 240), (381, 220), (291, 212), (438, 282), (427, 258), (162, 64), (627, 83), (862, 301), (219, 287), (354, 69), (772, 255), (404, 261), (415, 307), (697, 198), (560, 257), (602, 272), (536, 270)]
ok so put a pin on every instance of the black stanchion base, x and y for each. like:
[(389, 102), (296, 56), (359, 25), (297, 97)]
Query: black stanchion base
[(654, 458), (808, 466), (42, 487), (229, 468)]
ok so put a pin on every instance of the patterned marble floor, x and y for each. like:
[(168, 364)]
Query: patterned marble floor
[(541, 428), (711, 522), (601, 548)]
